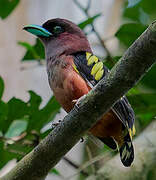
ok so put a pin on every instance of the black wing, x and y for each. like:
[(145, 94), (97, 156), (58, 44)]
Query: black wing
[(92, 70)]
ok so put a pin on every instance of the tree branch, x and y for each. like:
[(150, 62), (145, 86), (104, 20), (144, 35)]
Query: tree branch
[(145, 161), (137, 60)]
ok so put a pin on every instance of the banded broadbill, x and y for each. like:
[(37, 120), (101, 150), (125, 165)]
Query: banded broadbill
[(73, 71)]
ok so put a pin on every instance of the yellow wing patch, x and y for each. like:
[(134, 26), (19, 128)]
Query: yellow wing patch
[(75, 68), (88, 55), (99, 74), (91, 60), (132, 132), (97, 70)]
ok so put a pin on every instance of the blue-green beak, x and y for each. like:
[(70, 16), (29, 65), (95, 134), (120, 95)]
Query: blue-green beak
[(37, 30)]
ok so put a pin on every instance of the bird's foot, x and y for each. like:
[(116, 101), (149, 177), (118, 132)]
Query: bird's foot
[(55, 124), (82, 139), (76, 102)]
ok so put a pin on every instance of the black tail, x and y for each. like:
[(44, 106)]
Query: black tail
[(127, 151), (109, 141)]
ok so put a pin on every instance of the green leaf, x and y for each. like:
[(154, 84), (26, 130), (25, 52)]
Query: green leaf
[(35, 101), (143, 17), (149, 79), (128, 33), (149, 6), (133, 91), (36, 117), (137, 14), (144, 106), (132, 3), (6, 7), (55, 171), (88, 21), (3, 115), (1, 87), (17, 109), (5, 155), (145, 118), (132, 13), (34, 52), (34, 112), (30, 48), (41, 117), (50, 110), (143, 102), (19, 148), (16, 128)]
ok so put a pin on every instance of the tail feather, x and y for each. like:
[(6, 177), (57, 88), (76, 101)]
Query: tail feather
[(127, 151), (110, 142)]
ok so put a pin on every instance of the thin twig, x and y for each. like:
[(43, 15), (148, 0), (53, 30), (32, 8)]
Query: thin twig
[(105, 157), (79, 5), (88, 5), (90, 157), (85, 11), (83, 172)]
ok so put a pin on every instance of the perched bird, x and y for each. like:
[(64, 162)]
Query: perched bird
[(73, 70)]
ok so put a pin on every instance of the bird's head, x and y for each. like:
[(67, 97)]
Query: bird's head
[(60, 36)]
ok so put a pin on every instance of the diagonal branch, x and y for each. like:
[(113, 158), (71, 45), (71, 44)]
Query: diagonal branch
[(136, 61)]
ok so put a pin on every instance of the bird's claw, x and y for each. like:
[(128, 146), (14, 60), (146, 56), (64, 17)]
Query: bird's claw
[(55, 124), (77, 101), (82, 139)]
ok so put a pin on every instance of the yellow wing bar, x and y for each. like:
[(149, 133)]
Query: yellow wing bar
[(97, 70)]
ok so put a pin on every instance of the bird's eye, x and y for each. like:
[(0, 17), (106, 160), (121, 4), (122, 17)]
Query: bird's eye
[(58, 30)]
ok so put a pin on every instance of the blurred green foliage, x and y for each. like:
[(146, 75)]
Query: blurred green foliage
[(6, 7), (21, 122), (34, 52), (129, 32), (88, 21), (137, 14)]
